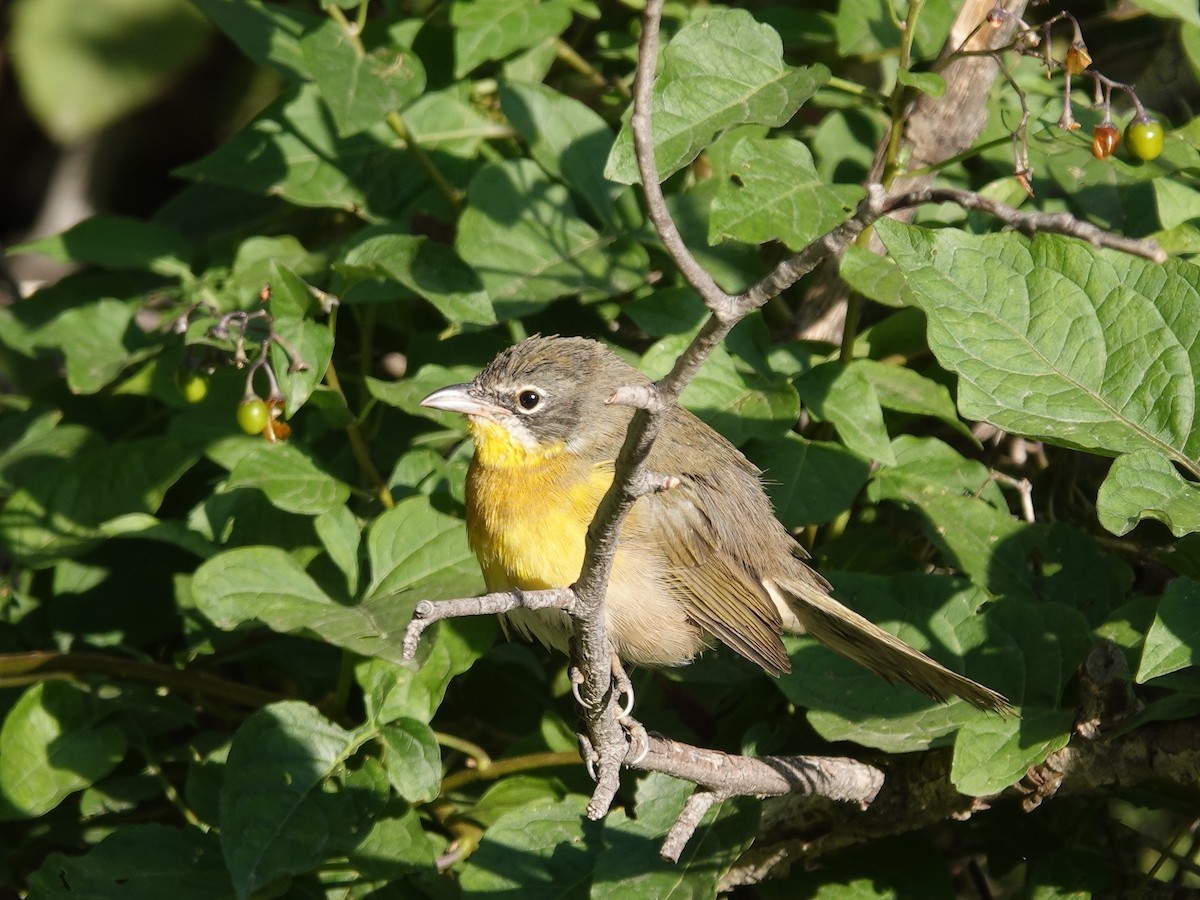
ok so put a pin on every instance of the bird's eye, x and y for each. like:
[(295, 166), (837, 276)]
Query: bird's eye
[(529, 399)]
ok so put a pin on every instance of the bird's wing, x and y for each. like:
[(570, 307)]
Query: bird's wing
[(716, 590)]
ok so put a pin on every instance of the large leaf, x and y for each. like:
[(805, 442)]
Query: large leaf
[(1144, 485), (265, 584), (50, 747), (1173, 641), (810, 482), (723, 71), (841, 393), (289, 479), (492, 29), (412, 264), (991, 753), (630, 865), (359, 86), (292, 149), (1051, 338), (773, 192), (117, 242), (275, 818), (522, 235), (544, 850), (59, 508), (415, 548), (138, 861), (267, 33), (392, 691), (567, 139), (739, 404)]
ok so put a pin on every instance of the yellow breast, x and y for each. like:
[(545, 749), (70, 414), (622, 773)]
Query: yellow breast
[(528, 510)]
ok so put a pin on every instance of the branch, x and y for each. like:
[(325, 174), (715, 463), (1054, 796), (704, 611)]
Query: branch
[(1029, 223)]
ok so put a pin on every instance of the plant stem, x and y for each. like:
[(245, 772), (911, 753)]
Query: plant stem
[(358, 445), (500, 768)]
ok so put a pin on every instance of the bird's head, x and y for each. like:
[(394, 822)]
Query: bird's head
[(542, 397)]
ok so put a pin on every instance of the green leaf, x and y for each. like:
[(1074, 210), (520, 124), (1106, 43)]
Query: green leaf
[(138, 861), (512, 793), (292, 150), (493, 29), (771, 191), (926, 82), (1178, 202), (289, 479), (415, 548), (983, 541), (393, 691), (840, 393), (722, 71), (1173, 641), (276, 819), (82, 67), (1144, 485), (738, 404), (524, 238), (846, 702), (927, 466), (339, 533), (407, 393), (1183, 10), (908, 391), (413, 760), (394, 846), (810, 482), (676, 310), (265, 584), (991, 753), (267, 33), (99, 340), (51, 746), (1012, 317), (301, 374), (416, 265), (868, 27), (875, 277), (118, 242), (630, 865), (568, 140), (1054, 640), (545, 850), (359, 86), (58, 510)]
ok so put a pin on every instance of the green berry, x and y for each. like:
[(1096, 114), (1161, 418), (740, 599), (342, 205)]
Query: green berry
[(191, 384), (1144, 138), (252, 416)]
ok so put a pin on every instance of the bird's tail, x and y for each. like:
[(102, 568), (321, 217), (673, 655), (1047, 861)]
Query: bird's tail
[(846, 632)]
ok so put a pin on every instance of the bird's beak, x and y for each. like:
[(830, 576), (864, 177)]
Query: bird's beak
[(458, 398)]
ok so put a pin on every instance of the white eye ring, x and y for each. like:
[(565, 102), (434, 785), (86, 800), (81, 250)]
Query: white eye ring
[(528, 399)]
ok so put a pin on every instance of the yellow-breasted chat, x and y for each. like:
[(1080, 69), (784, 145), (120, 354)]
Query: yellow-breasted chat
[(706, 559)]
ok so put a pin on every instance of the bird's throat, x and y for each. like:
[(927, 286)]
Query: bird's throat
[(527, 517), (496, 447)]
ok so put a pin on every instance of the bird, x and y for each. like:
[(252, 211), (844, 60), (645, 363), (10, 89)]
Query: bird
[(705, 560)]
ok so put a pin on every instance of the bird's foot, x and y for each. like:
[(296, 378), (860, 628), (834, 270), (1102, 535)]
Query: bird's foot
[(620, 682), (639, 740)]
